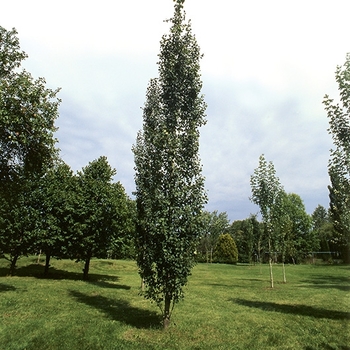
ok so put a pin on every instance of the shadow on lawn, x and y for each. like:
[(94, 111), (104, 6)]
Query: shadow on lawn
[(235, 285), (36, 270), (336, 282), (6, 288), (120, 310), (329, 347), (302, 310)]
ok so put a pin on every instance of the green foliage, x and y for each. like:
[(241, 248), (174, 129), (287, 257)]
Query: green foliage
[(28, 111), (339, 163), (169, 185), (322, 227), (226, 250), (249, 237), (55, 200), (267, 193), (19, 225), (103, 215), (295, 239), (266, 188), (214, 225)]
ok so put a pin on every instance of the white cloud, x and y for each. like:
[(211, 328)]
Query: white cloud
[(266, 68)]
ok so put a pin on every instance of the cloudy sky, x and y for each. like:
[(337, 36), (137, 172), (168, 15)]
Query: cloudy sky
[(266, 67)]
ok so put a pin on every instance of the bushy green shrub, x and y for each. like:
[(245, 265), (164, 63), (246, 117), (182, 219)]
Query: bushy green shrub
[(226, 250)]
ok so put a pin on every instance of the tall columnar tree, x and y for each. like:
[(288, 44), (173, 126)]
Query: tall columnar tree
[(28, 111), (339, 163), (169, 185), (266, 193)]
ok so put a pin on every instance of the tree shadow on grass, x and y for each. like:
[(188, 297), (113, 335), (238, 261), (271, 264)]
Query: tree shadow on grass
[(6, 288), (303, 310), (336, 282), (37, 271), (235, 285), (107, 284), (120, 310), (4, 271), (329, 347)]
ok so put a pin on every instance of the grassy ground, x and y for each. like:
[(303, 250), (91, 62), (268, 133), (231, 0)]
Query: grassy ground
[(225, 307)]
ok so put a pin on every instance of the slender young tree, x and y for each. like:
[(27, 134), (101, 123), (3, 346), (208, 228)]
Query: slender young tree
[(339, 163), (169, 185), (266, 193)]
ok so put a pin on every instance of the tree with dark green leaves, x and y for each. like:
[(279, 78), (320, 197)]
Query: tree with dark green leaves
[(214, 225), (102, 216), (28, 111), (56, 200), (339, 163), (323, 229), (248, 236), (20, 222), (226, 251), (295, 239), (169, 184), (266, 193)]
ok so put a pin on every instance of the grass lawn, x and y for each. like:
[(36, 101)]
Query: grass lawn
[(225, 307)]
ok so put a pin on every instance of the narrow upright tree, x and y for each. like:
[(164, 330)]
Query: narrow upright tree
[(339, 163), (169, 185), (266, 193)]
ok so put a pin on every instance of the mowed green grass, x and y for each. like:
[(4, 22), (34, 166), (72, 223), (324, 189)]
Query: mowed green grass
[(225, 307)]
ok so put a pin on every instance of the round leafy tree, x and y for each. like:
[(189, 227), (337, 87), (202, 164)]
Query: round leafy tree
[(226, 250)]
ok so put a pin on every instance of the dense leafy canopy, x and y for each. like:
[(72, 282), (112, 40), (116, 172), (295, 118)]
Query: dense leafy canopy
[(102, 213), (214, 225), (339, 163), (226, 250), (28, 111), (169, 185)]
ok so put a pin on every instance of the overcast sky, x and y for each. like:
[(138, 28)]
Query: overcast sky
[(266, 67)]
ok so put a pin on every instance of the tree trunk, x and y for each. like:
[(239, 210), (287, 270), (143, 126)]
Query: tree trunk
[(13, 265), (166, 315), (284, 273), (271, 274), (39, 256), (47, 263), (270, 263), (86, 269)]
